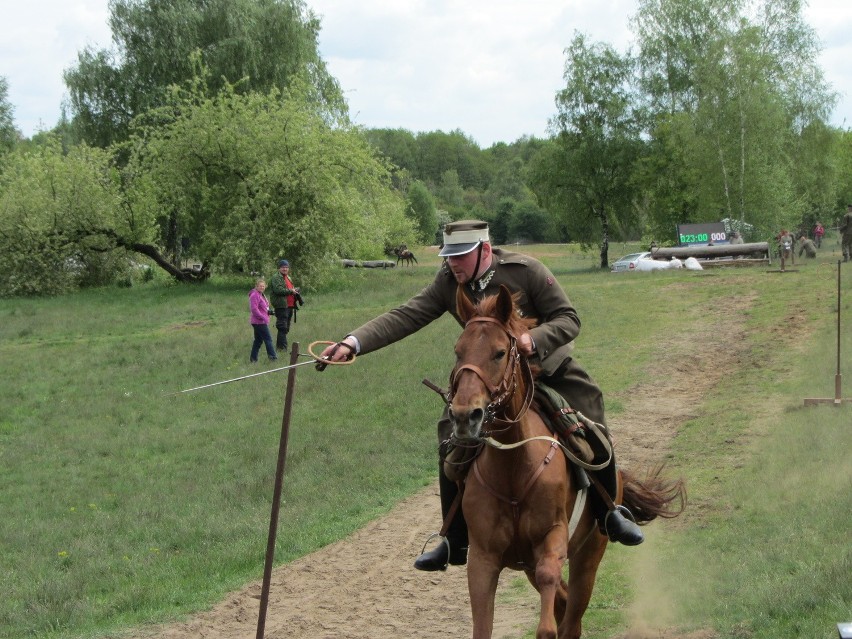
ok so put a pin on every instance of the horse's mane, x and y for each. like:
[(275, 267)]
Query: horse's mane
[(517, 325)]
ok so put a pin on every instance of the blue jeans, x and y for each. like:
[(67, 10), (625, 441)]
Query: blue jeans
[(262, 335)]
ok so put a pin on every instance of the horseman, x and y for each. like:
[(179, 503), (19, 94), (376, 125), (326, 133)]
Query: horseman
[(472, 263)]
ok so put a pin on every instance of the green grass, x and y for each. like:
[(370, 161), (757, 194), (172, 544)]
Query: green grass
[(122, 504)]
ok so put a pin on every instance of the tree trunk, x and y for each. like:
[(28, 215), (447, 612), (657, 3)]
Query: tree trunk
[(604, 239)]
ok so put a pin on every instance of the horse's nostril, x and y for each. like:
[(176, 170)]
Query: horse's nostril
[(476, 415)]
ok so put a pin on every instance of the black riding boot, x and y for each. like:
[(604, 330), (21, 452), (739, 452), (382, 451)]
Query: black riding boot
[(454, 549), (616, 523)]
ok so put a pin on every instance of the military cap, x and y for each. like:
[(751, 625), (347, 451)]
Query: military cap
[(463, 236)]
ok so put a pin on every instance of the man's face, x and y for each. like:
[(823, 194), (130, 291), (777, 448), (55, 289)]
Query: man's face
[(462, 265), (284, 270)]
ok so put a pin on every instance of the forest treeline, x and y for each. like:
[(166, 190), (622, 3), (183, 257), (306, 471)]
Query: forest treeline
[(213, 130)]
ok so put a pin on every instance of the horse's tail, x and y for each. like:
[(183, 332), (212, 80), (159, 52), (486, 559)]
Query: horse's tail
[(654, 496)]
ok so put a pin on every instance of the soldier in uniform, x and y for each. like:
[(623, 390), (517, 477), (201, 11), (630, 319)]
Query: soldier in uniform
[(807, 246), (846, 233), (472, 263)]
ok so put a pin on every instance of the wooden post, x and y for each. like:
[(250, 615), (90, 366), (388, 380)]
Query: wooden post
[(276, 494)]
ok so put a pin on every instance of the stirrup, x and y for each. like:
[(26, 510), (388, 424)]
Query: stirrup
[(625, 512), (436, 559), (444, 541)]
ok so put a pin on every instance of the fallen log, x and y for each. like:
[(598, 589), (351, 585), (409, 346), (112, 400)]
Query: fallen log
[(368, 264), (754, 250)]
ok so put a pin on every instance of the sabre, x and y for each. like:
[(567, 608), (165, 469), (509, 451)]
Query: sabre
[(238, 379), (314, 360)]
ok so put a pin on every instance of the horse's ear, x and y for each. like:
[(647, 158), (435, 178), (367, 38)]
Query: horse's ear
[(505, 305), (464, 307)]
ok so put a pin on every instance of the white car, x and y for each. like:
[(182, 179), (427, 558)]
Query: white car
[(629, 262)]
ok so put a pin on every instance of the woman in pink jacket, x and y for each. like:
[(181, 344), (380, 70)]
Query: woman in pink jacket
[(259, 318)]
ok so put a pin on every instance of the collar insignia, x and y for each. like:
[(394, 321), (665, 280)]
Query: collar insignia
[(482, 283)]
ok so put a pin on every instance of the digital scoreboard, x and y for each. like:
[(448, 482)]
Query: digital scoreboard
[(702, 234)]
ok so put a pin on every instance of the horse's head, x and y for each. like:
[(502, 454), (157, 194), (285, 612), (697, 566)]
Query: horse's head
[(487, 373)]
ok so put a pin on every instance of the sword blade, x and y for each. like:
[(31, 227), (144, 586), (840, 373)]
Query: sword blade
[(237, 379)]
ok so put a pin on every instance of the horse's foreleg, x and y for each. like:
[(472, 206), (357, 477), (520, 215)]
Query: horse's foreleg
[(482, 575)]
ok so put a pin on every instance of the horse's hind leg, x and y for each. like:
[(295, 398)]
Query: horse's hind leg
[(582, 570)]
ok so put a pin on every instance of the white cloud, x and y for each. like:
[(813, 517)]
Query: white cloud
[(488, 67)]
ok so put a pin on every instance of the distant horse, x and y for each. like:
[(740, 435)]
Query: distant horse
[(404, 255), (520, 494)]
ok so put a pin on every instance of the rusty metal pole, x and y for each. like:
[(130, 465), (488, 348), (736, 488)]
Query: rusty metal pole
[(276, 495), (838, 397)]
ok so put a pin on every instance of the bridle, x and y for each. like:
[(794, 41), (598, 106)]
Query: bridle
[(500, 394)]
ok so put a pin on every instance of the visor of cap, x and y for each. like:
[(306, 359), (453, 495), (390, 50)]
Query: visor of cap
[(452, 250)]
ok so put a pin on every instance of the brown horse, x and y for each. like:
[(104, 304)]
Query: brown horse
[(520, 500), (405, 256)]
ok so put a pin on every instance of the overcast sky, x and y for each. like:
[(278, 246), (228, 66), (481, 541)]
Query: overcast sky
[(488, 67)]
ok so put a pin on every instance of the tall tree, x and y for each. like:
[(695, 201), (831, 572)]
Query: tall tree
[(253, 44), (732, 86), (53, 207), (422, 210), (8, 132), (244, 178), (584, 177), (238, 179)]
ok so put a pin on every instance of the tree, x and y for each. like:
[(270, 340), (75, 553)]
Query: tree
[(528, 222), (422, 210), (8, 132), (242, 179), (732, 89), (59, 215), (584, 175), (238, 179), (252, 44)]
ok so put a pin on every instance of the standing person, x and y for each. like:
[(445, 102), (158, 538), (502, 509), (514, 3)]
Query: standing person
[(845, 229), (736, 238), (819, 231), (807, 247), (785, 247), (259, 319), (283, 301), (471, 263)]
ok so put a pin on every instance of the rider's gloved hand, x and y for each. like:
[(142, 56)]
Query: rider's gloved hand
[(342, 351)]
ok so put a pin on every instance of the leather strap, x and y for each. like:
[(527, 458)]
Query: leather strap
[(451, 513)]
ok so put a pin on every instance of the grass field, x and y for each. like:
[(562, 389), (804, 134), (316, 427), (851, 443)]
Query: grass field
[(123, 504)]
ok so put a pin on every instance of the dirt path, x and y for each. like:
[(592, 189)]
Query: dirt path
[(364, 587)]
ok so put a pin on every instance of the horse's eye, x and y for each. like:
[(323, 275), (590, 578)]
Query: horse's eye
[(500, 355)]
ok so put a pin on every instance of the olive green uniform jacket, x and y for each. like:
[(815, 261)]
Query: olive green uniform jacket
[(541, 297), (846, 235)]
